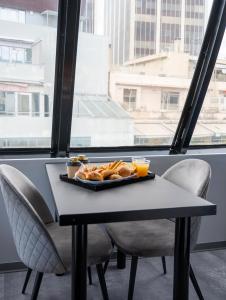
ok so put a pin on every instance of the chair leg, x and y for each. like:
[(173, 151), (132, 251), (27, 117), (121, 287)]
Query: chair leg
[(90, 275), (38, 280), (106, 265), (121, 260), (133, 271), (100, 273), (26, 280), (195, 284), (164, 264)]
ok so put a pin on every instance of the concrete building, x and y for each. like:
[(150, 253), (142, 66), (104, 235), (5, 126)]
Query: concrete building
[(143, 27), (153, 91), (27, 67)]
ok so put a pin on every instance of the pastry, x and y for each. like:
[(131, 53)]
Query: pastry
[(106, 173), (81, 175), (115, 176), (94, 175), (124, 171)]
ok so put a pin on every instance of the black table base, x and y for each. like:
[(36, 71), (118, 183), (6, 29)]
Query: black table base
[(181, 259), (79, 262)]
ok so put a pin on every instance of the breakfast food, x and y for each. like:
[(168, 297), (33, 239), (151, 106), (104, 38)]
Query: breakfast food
[(111, 171), (124, 171)]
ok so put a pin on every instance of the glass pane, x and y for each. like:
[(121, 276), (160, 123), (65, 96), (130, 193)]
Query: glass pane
[(35, 105), (27, 68), (134, 68), (23, 104), (211, 125)]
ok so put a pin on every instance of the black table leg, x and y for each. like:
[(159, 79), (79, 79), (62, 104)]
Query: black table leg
[(181, 259), (79, 262)]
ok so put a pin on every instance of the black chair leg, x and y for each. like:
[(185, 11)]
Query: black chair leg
[(133, 271), (106, 265), (90, 275), (121, 260), (164, 264), (100, 273), (26, 280), (195, 284), (38, 280)]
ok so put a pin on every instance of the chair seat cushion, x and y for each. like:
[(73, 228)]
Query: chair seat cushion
[(99, 244), (144, 238)]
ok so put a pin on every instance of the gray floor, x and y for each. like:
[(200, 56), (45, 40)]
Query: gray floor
[(210, 268)]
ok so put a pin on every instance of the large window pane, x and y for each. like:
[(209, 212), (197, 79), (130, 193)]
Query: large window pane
[(211, 126), (27, 66), (134, 69)]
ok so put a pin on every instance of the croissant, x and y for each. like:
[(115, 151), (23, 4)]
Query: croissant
[(115, 176), (81, 175), (94, 175), (107, 173)]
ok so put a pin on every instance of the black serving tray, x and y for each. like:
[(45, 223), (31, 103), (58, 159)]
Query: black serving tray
[(103, 185)]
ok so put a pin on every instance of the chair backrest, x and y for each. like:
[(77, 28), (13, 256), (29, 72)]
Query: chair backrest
[(194, 176), (28, 213)]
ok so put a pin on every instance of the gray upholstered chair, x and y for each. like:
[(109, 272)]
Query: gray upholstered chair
[(41, 244), (156, 237)]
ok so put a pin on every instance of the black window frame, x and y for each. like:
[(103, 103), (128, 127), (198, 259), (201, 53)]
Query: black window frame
[(65, 68)]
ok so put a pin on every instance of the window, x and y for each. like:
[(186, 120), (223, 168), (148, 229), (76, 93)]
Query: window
[(7, 103), (35, 105), (127, 88), (27, 68), (129, 99), (146, 7), (211, 125), (23, 104), (15, 54), (170, 101)]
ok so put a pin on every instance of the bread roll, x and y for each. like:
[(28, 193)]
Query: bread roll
[(124, 171)]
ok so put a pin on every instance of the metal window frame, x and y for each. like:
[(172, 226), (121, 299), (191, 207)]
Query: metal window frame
[(66, 54), (201, 78)]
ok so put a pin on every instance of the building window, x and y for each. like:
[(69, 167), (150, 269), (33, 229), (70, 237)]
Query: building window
[(170, 101), (129, 99), (7, 103), (35, 104), (146, 7), (23, 104), (15, 54), (46, 106)]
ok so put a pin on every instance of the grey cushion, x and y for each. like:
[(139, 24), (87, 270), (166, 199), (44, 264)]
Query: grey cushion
[(99, 244), (144, 238), (156, 237)]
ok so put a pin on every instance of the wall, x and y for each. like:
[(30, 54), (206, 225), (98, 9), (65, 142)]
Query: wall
[(213, 228)]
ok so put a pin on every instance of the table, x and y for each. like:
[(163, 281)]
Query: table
[(154, 199)]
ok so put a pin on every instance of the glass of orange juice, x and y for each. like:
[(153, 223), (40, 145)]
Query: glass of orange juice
[(142, 165)]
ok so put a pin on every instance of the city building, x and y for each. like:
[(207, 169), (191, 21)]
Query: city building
[(27, 67), (153, 91), (139, 28)]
